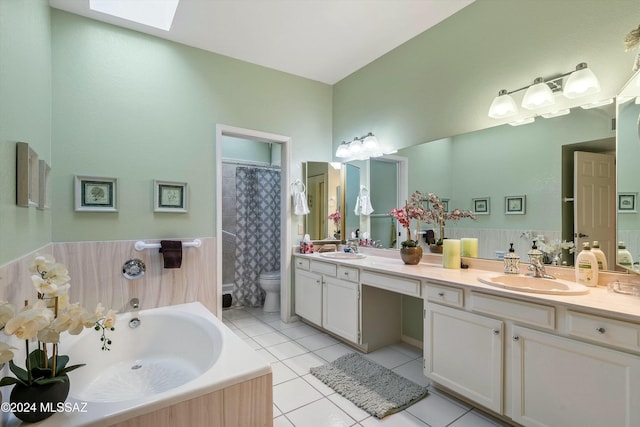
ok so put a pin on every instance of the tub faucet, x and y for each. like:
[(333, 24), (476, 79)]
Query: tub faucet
[(134, 303), (538, 269)]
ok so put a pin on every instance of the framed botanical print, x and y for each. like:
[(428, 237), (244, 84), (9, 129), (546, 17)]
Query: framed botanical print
[(96, 194), (480, 205), (169, 196), (627, 202), (515, 205)]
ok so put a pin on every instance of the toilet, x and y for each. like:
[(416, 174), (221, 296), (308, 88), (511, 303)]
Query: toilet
[(270, 283)]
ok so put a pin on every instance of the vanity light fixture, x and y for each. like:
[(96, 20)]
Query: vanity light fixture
[(360, 148), (557, 113), (524, 121), (541, 93)]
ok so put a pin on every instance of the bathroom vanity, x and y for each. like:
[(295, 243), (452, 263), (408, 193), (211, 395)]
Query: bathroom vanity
[(536, 359)]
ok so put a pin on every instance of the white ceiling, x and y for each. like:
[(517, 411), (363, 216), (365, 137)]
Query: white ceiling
[(323, 40)]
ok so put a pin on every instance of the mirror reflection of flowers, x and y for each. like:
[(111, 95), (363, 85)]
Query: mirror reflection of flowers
[(45, 320), (553, 250), (335, 217), (435, 214), (413, 209)]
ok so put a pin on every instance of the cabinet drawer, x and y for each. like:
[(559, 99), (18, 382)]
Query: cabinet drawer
[(525, 312), (301, 263), (606, 331), (348, 273), (324, 268), (445, 295), (392, 283)]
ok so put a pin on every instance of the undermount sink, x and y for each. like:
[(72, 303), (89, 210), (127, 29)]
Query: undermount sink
[(535, 284), (342, 255)]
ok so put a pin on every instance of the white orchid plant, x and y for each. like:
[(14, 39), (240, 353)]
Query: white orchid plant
[(45, 320)]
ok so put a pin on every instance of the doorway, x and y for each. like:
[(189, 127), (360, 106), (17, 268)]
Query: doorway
[(284, 143)]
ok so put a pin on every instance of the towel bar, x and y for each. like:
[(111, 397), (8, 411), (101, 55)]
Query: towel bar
[(140, 245)]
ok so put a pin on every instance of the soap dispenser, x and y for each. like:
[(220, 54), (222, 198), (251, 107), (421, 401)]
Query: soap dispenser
[(600, 256), (511, 261), (587, 266), (624, 256), (535, 253)]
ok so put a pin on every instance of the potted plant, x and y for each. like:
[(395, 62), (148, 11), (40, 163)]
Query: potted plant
[(411, 251), (43, 384), (435, 214), (335, 217)]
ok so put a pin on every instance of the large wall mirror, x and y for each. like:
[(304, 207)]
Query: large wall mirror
[(628, 179)]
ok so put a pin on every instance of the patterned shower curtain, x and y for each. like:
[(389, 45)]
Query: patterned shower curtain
[(257, 231)]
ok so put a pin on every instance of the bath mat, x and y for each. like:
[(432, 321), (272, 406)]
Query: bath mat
[(371, 387)]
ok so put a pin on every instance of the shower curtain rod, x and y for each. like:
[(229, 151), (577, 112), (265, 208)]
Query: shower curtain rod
[(249, 164)]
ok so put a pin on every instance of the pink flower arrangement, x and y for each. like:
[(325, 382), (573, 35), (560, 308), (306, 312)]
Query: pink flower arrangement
[(335, 217), (435, 213), (413, 209)]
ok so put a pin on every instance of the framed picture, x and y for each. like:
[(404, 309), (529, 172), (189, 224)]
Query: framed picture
[(170, 196), (515, 205), (627, 202), (480, 206), (95, 194), (445, 203), (43, 186), (27, 179)]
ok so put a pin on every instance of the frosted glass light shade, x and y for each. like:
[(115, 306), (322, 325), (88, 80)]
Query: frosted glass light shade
[(581, 82), (371, 143), (538, 95), (343, 150), (503, 106)]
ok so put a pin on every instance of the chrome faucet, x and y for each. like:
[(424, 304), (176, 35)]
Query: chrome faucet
[(538, 269)]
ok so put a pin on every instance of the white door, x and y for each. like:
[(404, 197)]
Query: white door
[(463, 351), (594, 193), (340, 312), (560, 382), (308, 296)]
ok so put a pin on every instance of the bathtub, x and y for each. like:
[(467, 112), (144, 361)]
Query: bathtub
[(177, 354)]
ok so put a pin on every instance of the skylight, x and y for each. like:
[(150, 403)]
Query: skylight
[(154, 13)]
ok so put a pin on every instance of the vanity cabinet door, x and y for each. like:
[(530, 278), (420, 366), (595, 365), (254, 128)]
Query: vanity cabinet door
[(463, 351), (558, 381), (308, 296), (340, 308)]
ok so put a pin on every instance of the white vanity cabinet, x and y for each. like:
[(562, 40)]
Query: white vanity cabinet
[(308, 296), (558, 381), (340, 304), (463, 351)]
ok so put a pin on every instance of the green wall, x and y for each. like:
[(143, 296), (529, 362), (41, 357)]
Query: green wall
[(25, 115), (139, 108)]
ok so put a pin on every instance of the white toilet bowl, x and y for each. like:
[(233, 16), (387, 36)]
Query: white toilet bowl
[(270, 283)]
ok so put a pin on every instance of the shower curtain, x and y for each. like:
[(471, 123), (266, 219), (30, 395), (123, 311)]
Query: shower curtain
[(257, 231)]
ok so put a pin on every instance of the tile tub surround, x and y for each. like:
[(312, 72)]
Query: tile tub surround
[(95, 269), (301, 400)]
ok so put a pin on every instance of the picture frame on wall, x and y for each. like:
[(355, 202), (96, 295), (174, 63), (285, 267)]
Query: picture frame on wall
[(27, 178), (96, 194), (627, 202), (170, 196), (480, 205), (515, 205)]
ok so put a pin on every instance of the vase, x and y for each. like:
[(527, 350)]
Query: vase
[(411, 255), (436, 249), (37, 402)]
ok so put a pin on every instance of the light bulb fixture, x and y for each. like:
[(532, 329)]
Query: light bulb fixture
[(538, 95), (360, 148), (503, 106), (581, 82), (541, 93)]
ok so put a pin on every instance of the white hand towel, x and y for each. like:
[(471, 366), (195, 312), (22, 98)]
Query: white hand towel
[(365, 205), (300, 203)]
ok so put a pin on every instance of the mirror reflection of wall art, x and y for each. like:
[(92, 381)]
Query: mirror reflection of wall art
[(170, 196), (515, 205), (627, 202), (480, 206), (27, 168), (94, 194), (43, 186)]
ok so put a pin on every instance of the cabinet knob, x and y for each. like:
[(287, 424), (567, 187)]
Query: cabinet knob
[(601, 330), (440, 294), (516, 338), (496, 332)]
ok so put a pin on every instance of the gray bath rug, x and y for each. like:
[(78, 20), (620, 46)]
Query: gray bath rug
[(372, 387)]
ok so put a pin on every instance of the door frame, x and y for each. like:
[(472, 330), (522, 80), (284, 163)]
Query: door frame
[(285, 211)]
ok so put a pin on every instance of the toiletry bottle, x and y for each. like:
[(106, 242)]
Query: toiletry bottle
[(511, 261), (624, 256), (535, 253), (600, 256), (587, 266)]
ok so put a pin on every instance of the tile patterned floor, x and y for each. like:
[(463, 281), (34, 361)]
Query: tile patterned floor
[(300, 400)]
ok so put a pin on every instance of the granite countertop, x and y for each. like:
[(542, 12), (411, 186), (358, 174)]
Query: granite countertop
[(599, 300)]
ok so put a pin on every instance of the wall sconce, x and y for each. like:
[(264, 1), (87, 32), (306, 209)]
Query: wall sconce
[(540, 93), (361, 148)]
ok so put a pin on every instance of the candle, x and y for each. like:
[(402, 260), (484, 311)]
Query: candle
[(469, 247), (451, 253)]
